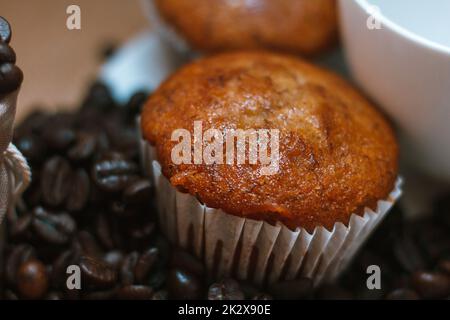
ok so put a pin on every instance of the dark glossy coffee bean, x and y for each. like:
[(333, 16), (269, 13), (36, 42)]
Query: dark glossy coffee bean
[(431, 285), (11, 77), (99, 97), (227, 289), (97, 273), (19, 254), (145, 264), (79, 192), (294, 289), (139, 234), (114, 258), (84, 148), (135, 292), (88, 244), (7, 53), (138, 192), (59, 138), (161, 295), (21, 226), (127, 268), (103, 231), (5, 30), (100, 295), (57, 229), (183, 285), (32, 280), (334, 292), (444, 266), (135, 104), (402, 294), (55, 181), (59, 267), (184, 260), (32, 148), (114, 175)]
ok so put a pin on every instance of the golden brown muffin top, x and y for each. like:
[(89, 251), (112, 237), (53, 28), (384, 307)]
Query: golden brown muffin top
[(337, 153), (298, 26)]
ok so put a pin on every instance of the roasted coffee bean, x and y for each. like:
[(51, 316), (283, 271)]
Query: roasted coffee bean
[(334, 292), (145, 264), (402, 294), (55, 181), (103, 231), (11, 77), (59, 138), (7, 53), (78, 196), (295, 289), (5, 30), (19, 254), (100, 295), (114, 258), (138, 192), (88, 244), (135, 292), (57, 229), (113, 175), (183, 285), (97, 273), (20, 227), (99, 97), (227, 289), (84, 148), (158, 279), (59, 268), (127, 268), (135, 104), (32, 280), (31, 147), (184, 260), (431, 285)]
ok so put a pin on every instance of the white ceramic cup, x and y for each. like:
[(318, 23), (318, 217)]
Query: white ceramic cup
[(400, 56)]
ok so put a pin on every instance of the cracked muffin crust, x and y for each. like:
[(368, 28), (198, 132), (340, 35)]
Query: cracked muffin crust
[(305, 27), (338, 154)]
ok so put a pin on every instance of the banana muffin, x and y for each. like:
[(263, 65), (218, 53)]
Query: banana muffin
[(298, 26), (337, 153)]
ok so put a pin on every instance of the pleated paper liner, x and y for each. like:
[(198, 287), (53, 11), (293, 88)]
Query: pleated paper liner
[(255, 250)]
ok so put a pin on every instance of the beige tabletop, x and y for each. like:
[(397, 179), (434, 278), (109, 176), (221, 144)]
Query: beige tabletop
[(58, 63)]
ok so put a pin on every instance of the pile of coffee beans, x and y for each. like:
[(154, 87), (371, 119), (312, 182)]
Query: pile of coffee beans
[(90, 205)]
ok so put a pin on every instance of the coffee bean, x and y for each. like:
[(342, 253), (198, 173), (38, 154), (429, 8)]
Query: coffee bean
[(135, 292), (431, 285), (59, 268), (11, 77), (18, 255), (84, 148), (5, 30), (97, 273), (294, 289), (79, 192), (186, 261), (59, 138), (88, 244), (402, 294), (138, 192), (127, 268), (103, 231), (32, 148), (114, 258), (100, 295), (53, 228), (113, 175), (227, 289), (183, 285), (7, 53), (20, 227), (55, 181), (145, 264), (444, 266), (158, 279), (160, 295), (32, 280)]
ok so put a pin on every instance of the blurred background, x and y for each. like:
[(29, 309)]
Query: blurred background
[(58, 63)]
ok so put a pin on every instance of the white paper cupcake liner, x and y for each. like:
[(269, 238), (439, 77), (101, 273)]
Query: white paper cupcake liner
[(255, 250)]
